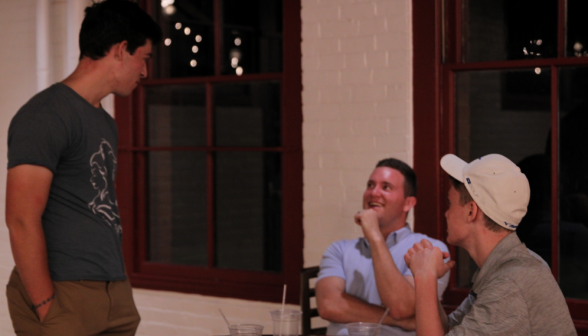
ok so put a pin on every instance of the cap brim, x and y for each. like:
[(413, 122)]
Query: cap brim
[(453, 165)]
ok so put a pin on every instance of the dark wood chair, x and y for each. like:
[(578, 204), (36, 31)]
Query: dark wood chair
[(305, 294)]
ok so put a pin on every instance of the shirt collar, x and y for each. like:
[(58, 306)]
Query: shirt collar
[(497, 257)]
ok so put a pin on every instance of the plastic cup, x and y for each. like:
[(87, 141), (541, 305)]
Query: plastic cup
[(363, 329), (245, 329), (286, 322)]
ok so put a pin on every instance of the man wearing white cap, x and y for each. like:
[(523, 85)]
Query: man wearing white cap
[(513, 292)]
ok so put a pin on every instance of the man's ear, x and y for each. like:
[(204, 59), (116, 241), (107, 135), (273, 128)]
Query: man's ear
[(118, 50), (473, 211), (409, 203)]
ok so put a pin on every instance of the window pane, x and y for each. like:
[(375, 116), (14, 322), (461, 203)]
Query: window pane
[(508, 112), (247, 114), (176, 115), (577, 36), (188, 38), (573, 183), (252, 36), (248, 210), (496, 30), (177, 207)]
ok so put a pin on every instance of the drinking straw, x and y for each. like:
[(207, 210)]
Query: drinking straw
[(223, 315), (282, 311), (383, 316)]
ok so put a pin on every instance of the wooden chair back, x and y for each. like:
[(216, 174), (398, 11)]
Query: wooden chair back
[(306, 293)]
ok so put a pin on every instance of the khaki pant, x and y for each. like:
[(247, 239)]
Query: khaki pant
[(80, 308)]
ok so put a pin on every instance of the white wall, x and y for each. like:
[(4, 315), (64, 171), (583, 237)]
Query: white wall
[(357, 109), (18, 82)]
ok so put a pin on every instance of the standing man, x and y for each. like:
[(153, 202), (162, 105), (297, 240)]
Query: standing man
[(513, 292), (61, 208), (359, 278)]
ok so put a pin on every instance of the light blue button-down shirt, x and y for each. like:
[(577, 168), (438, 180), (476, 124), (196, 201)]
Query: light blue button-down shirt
[(351, 260)]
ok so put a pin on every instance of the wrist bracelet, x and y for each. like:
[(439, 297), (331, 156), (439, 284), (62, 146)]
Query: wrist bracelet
[(35, 307)]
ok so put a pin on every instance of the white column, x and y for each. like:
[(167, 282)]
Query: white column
[(43, 50), (74, 16), (108, 104)]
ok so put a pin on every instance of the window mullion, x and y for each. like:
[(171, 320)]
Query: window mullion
[(218, 36), (138, 132), (459, 19), (447, 145), (554, 173), (561, 28), (210, 213)]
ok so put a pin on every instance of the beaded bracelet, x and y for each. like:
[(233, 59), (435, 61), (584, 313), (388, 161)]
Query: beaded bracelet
[(35, 307)]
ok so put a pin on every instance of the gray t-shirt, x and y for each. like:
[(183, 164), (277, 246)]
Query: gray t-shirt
[(514, 293), (63, 132)]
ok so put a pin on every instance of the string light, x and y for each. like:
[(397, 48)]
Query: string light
[(170, 10)]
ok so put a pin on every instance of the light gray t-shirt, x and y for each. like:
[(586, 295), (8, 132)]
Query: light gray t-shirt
[(63, 132), (514, 293)]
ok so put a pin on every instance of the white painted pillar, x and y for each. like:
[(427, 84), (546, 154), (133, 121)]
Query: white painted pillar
[(43, 49), (108, 104), (74, 16)]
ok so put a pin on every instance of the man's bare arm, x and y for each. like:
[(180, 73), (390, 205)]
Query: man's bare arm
[(27, 191), (335, 305), (427, 264), (443, 317), (428, 319), (395, 290)]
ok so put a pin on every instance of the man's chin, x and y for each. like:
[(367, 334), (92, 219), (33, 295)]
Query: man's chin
[(451, 240), (123, 94)]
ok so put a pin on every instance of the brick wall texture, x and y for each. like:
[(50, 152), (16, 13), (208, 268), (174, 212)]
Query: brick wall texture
[(357, 108)]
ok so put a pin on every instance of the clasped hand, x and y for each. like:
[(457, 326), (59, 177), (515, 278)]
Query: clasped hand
[(423, 257), (368, 220)]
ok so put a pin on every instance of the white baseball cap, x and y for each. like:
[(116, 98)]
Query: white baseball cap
[(495, 183)]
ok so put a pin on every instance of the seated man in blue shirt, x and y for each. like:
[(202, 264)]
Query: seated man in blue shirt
[(360, 278)]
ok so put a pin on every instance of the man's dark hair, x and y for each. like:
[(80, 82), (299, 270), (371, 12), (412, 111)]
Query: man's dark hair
[(112, 21), (465, 197), (410, 181)]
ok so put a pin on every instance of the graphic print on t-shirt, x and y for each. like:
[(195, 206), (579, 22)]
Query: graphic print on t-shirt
[(103, 167)]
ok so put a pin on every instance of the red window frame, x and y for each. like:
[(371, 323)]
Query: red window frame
[(434, 126), (253, 285)]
